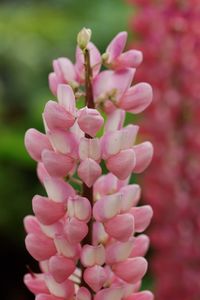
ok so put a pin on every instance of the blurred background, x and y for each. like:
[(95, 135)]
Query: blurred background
[(32, 34)]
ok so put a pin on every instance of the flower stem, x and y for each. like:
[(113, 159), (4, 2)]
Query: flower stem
[(88, 191), (88, 80)]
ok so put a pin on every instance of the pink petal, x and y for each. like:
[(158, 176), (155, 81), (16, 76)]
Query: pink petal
[(115, 120), (47, 297), (64, 142), (46, 210), (116, 46), (128, 136), (144, 154), (83, 294), (131, 270), (89, 170), (141, 245), (137, 98), (57, 189), (61, 267), (53, 83), (122, 164), (43, 265), (107, 184), (35, 143), (114, 141), (142, 216), (75, 230), (95, 61), (111, 143), (144, 295), (118, 251), (42, 172), (95, 277), (90, 148), (130, 196), (107, 207), (137, 286), (120, 227), (40, 246), (99, 255), (92, 255), (64, 69), (88, 256), (52, 229), (79, 207), (57, 70), (128, 59), (57, 164), (90, 121), (66, 98), (32, 225), (75, 129), (64, 247), (98, 234), (109, 82), (111, 293), (35, 283), (56, 116), (64, 290)]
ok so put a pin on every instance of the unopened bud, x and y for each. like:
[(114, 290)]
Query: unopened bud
[(84, 37)]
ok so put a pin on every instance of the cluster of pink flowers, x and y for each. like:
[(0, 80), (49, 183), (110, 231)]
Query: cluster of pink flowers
[(169, 35), (84, 239)]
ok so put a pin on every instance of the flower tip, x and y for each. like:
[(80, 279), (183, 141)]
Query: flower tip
[(83, 38)]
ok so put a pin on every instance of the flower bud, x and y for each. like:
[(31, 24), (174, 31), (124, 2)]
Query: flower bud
[(83, 38)]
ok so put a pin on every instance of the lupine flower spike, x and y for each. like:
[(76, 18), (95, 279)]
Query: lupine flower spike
[(84, 239), (169, 35)]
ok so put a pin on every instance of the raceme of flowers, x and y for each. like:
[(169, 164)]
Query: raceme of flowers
[(169, 37), (84, 239)]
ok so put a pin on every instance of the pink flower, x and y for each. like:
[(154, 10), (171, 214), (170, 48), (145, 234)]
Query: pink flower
[(168, 34), (84, 238)]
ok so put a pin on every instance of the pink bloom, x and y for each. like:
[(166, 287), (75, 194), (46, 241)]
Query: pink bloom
[(168, 34), (84, 238)]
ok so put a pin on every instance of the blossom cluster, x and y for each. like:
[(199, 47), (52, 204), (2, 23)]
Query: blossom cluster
[(168, 34), (84, 239)]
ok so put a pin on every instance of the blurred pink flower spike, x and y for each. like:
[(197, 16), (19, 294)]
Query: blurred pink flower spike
[(83, 230), (172, 123)]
